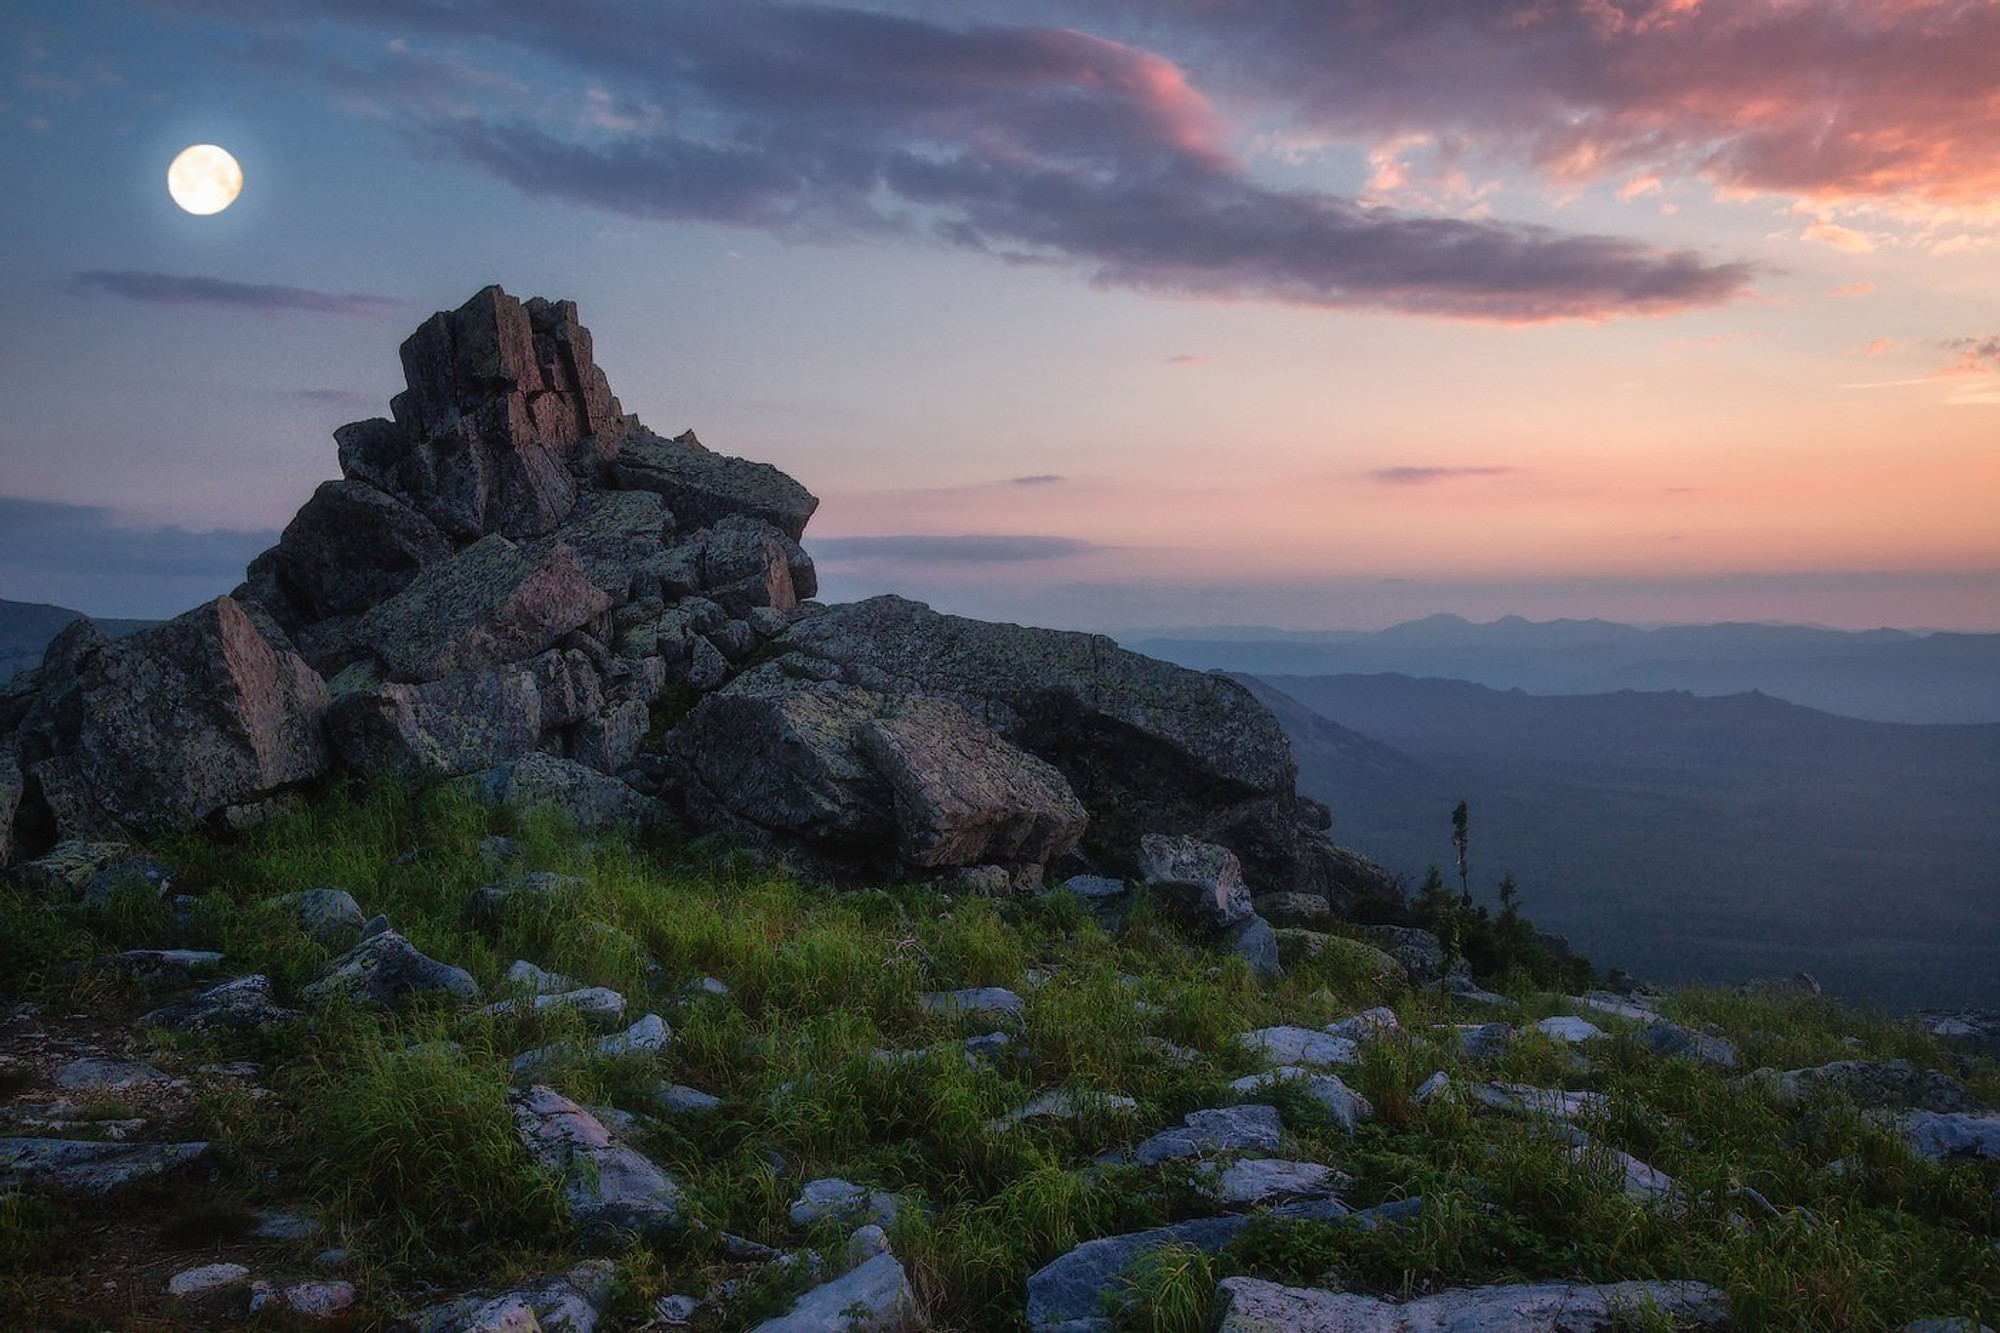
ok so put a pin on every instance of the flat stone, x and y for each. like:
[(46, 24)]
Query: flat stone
[(536, 889), (1618, 1006), (1671, 1039), (539, 980), (1567, 1028), (1250, 1305), (570, 1302), (1347, 1107), (1063, 1104), (679, 1099), (234, 1006), (330, 916), (1301, 1046), (1878, 1083), (994, 1000), (97, 1075), (596, 1004), (644, 1038), (1221, 1129), (1257, 1181), (1366, 1024), (1639, 1182), (78, 1166), (193, 1284), (311, 1299), (613, 1191), (1948, 1136), (1546, 1103), (1075, 1292), (842, 1199), (875, 1297), (286, 1226), (1484, 1041)]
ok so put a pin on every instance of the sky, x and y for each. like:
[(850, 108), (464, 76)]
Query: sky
[(1095, 313)]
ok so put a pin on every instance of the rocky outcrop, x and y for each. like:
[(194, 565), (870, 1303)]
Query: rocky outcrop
[(167, 727), (512, 575)]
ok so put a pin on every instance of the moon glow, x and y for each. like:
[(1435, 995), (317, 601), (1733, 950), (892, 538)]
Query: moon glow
[(204, 179)]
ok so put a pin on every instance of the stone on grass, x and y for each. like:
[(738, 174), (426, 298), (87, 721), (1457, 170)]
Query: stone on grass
[(1347, 1107), (1484, 1041), (1671, 1039), (1545, 1103), (874, 1297), (679, 1099), (286, 1226), (1294, 909), (1063, 1104), (1253, 940), (1202, 876), (1257, 1181), (146, 878), (1078, 1291), (1948, 1136), (613, 1191), (1366, 1024), (77, 1166), (1567, 1028), (330, 916), (1251, 1305), (1875, 1083), (541, 981), (598, 1005), (1209, 1133), (99, 1075), (1301, 1046), (1432, 1088), (989, 1000), (535, 889), (1639, 1182), (386, 968), (568, 1302), (234, 1006), (644, 1038), (66, 867), (194, 1284), (311, 1299), (843, 1200)]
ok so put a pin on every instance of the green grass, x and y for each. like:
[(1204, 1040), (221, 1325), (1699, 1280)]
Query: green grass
[(397, 1125)]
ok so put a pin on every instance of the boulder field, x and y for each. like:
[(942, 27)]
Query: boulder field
[(516, 583)]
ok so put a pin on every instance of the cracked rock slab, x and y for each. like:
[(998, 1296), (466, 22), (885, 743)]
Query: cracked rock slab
[(1249, 1305)]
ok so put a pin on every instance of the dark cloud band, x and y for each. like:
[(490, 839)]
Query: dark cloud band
[(176, 289)]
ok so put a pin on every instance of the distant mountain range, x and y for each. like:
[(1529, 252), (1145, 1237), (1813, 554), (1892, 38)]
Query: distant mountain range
[(1681, 837), (1880, 675), (27, 627)]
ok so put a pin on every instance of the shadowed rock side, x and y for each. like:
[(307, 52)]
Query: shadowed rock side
[(512, 569)]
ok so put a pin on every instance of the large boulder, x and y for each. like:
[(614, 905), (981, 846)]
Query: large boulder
[(856, 779), (704, 488), (463, 723), (1147, 746), (351, 546), (163, 728), (494, 602)]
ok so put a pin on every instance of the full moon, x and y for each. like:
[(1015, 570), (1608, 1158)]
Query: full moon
[(204, 179)]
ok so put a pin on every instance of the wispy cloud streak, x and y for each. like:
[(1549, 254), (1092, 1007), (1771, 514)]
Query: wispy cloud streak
[(261, 297)]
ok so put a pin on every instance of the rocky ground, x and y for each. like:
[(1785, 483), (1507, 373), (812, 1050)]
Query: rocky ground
[(506, 1078)]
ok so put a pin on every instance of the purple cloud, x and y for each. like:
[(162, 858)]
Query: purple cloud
[(1034, 145), (1425, 476), (175, 289), (978, 548)]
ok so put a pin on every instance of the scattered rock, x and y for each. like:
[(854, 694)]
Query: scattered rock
[(144, 877), (1431, 1088), (613, 1191), (1223, 1129), (1294, 909), (539, 888), (1063, 1104), (66, 867), (100, 1075), (679, 1099), (539, 980), (384, 969), (330, 916), (1485, 1041), (1671, 1039), (1253, 940), (1258, 1181), (1344, 1104), (644, 1038), (1874, 1083), (209, 1280), (1250, 1305), (598, 1005), (1416, 951), (1366, 1024), (989, 1000), (311, 1299), (845, 1201), (242, 1005), (1547, 1103), (1944, 1136), (1973, 1030), (568, 1302), (286, 1226), (161, 968), (77, 1166), (875, 1297), (1569, 1029), (1201, 876), (1301, 1046)]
